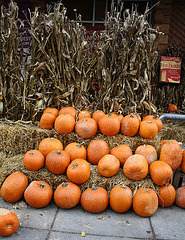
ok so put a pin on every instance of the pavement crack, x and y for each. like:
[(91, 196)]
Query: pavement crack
[(52, 224), (153, 233)]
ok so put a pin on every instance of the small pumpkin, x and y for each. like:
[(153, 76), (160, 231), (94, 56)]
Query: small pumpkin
[(64, 124), (183, 162), (172, 108), (38, 194), (96, 150), (9, 222), (76, 150), (49, 144), (47, 120), (108, 165), (148, 151), (95, 199), (78, 171), (84, 114), (121, 152), (160, 172), (120, 198), (148, 129), (52, 110), (130, 125), (86, 128), (13, 187), (69, 110), (57, 161), (97, 115), (166, 195), (67, 195), (109, 125), (33, 160), (136, 167), (180, 197), (145, 202), (155, 119)]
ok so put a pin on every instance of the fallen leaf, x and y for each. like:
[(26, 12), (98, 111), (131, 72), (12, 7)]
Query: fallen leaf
[(27, 217), (101, 217), (83, 234)]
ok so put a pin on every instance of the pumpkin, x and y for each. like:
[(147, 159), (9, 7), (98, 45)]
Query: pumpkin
[(97, 115), (145, 202), (109, 125), (38, 194), (160, 172), (183, 162), (78, 171), (108, 165), (47, 120), (84, 114), (57, 161), (120, 116), (76, 150), (154, 119), (171, 153), (69, 110), (172, 108), (166, 195), (136, 167), (13, 187), (86, 128), (180, 197), (167, 141), (96, 150), (9, 222), (120, 198), (64, 124), (148, 151), (67, 195), (95, 199), (121, 152), (130, 125), (52, 110), (33, 160), (49, 144), (148, 129)]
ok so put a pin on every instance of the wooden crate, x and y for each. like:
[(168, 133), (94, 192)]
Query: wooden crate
[(178, 178)]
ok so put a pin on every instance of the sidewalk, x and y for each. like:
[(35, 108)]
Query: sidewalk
[(53, 223)]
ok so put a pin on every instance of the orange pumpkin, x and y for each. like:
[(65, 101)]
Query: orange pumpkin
[(84, 114), (57, 161), (78, 171), (148, 129), (130, 125), (145, 202), (172, 108), (136, 167), (148, 151), (33, 160), (171, 153), (38, 194), (49, 144), (180, 197), (86, 128), (183, 162), (120, 198), (64, 124), (67, 195), (47, 120), (95, 199), (97, 115), (160, 172), (76, 150), (108, 165), (96, 150), (9, 222), (167, 141), (121, 152), (51, 110), (166, 195), (109, 125), (69, 110), (13, 187), (154, 119)]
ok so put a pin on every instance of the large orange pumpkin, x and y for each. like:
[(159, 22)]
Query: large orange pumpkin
[(13, 187), (47, 120), (154, 119), (86, 128), (180, 197), (122, 152), (33, 160), (109, 125), (183, 162), (76, 150), (148, 151), (148, 129), (97, 115), (64, 124), (69, 110), (49, 144), (108, 165), (130, 125), (166, 195)]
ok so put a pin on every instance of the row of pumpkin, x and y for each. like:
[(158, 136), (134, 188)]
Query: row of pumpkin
[(86, 124)]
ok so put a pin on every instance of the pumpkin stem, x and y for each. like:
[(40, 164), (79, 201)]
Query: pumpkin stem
[(75, 165), (59, 152), (123, 186), (149, 122), (42, 185), (132, 115), (9, 226), (80, 144), (32, 153), (110, 115), (117, 145), (51, 139), (84, 120), (94, 188), (64, 184)]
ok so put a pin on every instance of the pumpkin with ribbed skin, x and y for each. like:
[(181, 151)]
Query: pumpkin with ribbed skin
[(57, 161), (49, 144), (47, 120), (78, 171), (108, 165), (9, 222), (51, 110), (13, 187), (84, 114), (38, 194), (183, 162), (86, 128), (154, 119), (109, 125), (171, 153), (130, 125), (64, 124), (166, 195), (172, 108), (120, 198), (121, 152), (97, 115), (76, 150), (148, 151), (160, 172), (145, 202), (180, 197), (33, 160), (67, 195), (95, 199), (136, 167), (96, 150), (148, 129), (68, 110)]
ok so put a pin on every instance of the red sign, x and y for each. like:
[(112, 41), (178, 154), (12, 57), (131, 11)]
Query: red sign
[(89, 34), (170, 69)]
